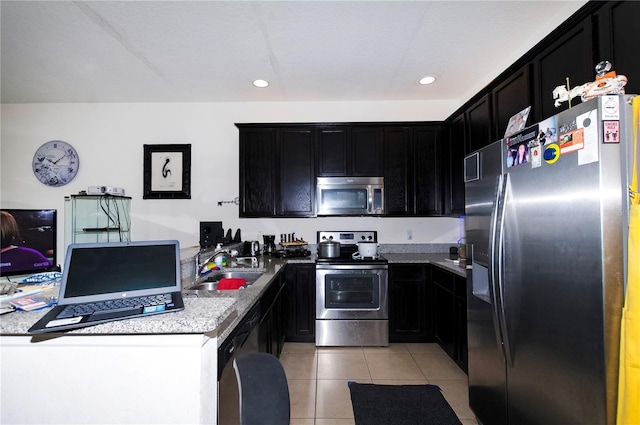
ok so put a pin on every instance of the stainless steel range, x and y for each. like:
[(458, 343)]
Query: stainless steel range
[(351, 293)]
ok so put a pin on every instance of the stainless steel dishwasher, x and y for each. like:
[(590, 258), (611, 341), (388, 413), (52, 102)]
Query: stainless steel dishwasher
[(243, 339)]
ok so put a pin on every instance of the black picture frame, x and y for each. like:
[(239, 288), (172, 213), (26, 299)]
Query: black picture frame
[(167, 172)]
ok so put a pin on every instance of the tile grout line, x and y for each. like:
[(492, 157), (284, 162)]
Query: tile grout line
[(315, 405)]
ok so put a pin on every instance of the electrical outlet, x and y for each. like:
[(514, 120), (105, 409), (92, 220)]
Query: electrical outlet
[(409, 235)]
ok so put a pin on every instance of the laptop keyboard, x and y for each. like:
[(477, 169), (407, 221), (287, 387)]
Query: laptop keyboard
[(148, 304)]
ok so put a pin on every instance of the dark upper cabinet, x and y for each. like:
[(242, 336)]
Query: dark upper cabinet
[(413, 170), (570, 56), (429, 170), (349, 151), (454, 173), (366, 151), (332, 150), (618, 40), (277, 171), (480, 130), (257, 172), (398, 174), (510, 97), (296, 188)]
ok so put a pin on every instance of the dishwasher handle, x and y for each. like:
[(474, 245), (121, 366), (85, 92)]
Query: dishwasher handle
[(238, 337)]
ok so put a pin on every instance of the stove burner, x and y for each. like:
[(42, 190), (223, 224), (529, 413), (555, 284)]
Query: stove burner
[(361, 258)]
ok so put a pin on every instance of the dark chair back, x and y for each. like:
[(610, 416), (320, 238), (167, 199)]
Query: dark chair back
[(263, 389)]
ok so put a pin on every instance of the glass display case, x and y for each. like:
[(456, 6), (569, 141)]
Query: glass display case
[(97, 218)]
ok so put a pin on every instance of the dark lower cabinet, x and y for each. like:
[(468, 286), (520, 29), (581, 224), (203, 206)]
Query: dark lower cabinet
[(461, 345), (274, 319), (301, 289), (450, 314), (410, 316)]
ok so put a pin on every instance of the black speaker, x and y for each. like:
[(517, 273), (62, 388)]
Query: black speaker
[(210, 233)]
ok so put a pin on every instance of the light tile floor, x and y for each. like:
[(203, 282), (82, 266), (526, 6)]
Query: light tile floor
[(318, 376)]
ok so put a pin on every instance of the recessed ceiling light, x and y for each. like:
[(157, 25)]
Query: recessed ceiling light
[(260, 83), (427, 80)]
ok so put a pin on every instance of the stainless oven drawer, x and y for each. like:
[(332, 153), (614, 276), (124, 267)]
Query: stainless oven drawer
[(352, 333)]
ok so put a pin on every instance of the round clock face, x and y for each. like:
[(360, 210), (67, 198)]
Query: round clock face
[(55, 163)]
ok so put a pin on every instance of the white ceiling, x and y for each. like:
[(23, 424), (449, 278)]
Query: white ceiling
[(210, 51)]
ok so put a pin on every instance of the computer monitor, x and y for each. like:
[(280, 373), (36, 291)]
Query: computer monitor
[(29, 238)]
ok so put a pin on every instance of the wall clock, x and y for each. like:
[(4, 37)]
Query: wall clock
[(55, 163)]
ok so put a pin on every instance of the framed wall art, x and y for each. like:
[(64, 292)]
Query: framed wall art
[(167, 172)]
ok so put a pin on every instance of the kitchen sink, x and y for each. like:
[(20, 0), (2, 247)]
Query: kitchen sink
[(211, 282)]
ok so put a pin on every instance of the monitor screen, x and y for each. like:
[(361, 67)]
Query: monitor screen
[(29, 240)]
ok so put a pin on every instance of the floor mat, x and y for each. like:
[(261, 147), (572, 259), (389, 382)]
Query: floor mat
[(400, 405)]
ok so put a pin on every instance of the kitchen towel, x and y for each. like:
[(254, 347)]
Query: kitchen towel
[(400, 405), (629, 383)]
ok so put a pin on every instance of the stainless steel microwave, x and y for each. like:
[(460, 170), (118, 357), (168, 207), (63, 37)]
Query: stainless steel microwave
[(350, 195)]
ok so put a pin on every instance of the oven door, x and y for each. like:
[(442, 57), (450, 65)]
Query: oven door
[(357, 291)]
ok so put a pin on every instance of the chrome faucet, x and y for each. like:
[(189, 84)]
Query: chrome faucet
[(200, 265)]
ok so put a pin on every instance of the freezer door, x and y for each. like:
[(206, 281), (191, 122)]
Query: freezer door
[(486, 367)]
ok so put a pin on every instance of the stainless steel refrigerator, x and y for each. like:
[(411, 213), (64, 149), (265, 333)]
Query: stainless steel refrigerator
[(546, 214)]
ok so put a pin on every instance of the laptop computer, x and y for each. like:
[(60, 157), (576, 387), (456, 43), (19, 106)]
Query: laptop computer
[(104, 282)]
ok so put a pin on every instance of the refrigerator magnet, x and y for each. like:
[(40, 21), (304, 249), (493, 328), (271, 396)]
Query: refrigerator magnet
[(536, 156), (551, 153), (611, 131), (611, 108)]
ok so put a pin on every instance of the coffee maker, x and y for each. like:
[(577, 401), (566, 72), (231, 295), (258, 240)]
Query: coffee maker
[(269, 244)]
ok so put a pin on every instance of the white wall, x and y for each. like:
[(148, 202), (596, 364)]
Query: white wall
[(109, 139)]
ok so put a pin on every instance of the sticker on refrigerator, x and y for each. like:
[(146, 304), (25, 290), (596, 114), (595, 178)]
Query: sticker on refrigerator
[(611, 131), (518, 146), (611, 108), (548, 132), (572, 141), (536, 156), (588, 123), (551, 153)]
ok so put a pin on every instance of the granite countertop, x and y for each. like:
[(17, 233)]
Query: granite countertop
[(438, 259), (213, 313)]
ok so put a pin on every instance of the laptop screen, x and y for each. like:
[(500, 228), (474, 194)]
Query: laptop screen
[(123, 269)]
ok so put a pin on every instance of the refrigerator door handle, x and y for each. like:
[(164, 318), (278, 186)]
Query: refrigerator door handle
[(494, 263), (504, 195)]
